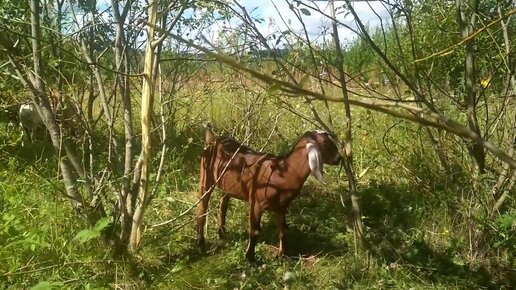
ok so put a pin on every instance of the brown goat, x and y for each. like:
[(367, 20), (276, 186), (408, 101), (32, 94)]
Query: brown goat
[(266, 181)]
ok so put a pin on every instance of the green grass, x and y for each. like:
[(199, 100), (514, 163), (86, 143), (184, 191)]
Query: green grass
[(419, 222)]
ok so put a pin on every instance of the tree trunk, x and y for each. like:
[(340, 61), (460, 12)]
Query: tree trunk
[(88, 55), (125, 206), (476, 150), (348, 153), (146, 117), (511, 83), (419, 80), (42, 104)]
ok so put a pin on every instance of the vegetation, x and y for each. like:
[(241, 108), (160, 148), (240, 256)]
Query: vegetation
[(422, 106)]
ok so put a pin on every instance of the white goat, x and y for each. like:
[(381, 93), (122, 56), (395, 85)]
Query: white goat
[(30, 121)]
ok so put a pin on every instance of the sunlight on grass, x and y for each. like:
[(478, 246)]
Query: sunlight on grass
[(414, 221)]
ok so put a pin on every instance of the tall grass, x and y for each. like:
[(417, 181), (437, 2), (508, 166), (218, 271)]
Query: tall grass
[(426, 230)]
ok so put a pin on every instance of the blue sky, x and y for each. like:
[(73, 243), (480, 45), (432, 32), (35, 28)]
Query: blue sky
[(371, 13), (314, 22)]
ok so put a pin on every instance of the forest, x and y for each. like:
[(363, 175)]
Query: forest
[(104, 107)]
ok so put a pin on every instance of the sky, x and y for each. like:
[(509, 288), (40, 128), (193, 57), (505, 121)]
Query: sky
[(268, 9), (371, 13)]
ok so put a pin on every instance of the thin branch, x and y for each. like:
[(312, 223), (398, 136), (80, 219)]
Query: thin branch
[(450, 49), (206, 192), (416, 114), (64, 264)]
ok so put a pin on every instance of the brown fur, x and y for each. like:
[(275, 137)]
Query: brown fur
[(266, 181)]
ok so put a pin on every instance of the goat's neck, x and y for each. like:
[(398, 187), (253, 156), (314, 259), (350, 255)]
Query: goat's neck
[(297, 162)]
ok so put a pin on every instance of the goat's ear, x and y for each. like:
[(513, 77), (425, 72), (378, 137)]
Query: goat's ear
[(315, 160)]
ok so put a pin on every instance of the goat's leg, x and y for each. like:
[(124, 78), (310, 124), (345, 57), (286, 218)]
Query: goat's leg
[(206, 187), (224, 203), (201, 218), (33, 133), (255, 217), (25, 134), (281, 222)]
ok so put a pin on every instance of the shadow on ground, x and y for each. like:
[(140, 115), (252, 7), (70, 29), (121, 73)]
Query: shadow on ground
[(313, 219), (396, 218)]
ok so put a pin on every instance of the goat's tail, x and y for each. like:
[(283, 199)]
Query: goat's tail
[(209, 135)]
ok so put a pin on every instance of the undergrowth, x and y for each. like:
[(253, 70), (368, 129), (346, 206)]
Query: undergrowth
[(424, 229)]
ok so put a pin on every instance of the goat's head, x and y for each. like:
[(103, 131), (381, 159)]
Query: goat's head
[(321, 150)]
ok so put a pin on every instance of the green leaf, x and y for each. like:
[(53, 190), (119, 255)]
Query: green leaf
[(506, 220), (86, 235), (279, 39), (305, 11), (46, 285), (90, 234), (181, 264), (102, 223), (363, 173)]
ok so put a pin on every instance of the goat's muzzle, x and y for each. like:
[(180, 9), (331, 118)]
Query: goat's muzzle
[(339, 160)]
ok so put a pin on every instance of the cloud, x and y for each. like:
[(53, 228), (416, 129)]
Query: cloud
[(279, 17)]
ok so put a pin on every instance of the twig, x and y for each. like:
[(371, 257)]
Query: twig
[(273, 128), (422, 116), (164, 138), (450, 49), (64, 264), (205, 193)]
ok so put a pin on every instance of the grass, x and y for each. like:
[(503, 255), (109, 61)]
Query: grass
[(418, 222)]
